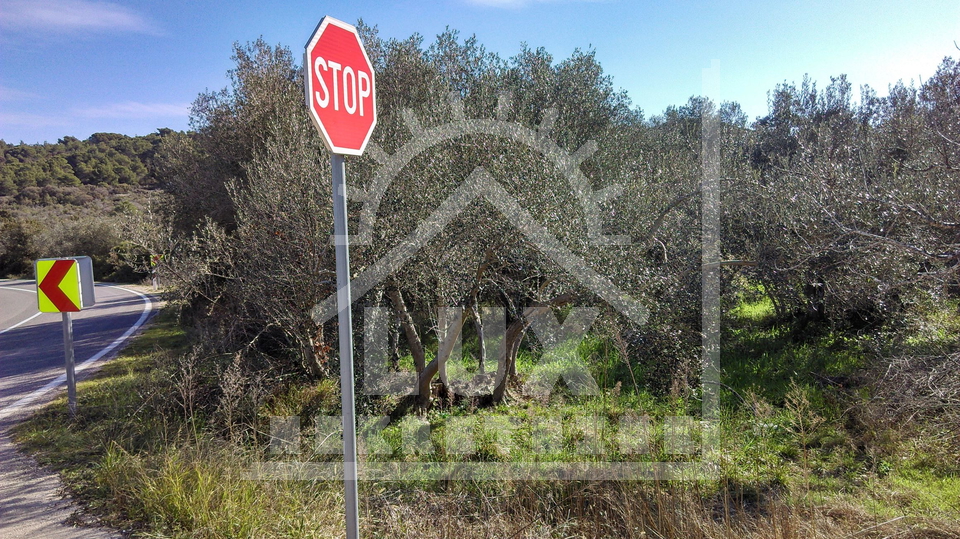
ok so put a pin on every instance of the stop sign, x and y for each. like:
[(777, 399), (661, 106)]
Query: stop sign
[(339, 83)]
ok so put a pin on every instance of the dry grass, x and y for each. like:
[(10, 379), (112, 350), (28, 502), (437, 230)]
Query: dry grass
[(623, 510)]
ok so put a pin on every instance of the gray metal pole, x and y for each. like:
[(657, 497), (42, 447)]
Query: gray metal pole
[(348, 405), (68, 357)]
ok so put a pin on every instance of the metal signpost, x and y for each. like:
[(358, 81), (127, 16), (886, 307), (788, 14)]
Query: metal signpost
[(65, 285), (339, 88)]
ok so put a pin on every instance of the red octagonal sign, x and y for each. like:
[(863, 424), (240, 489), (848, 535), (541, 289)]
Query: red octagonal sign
[(339, 83)]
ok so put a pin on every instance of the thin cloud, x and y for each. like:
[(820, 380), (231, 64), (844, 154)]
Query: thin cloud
[(72, 15), (132, 110), (12, 94), (31, 120)]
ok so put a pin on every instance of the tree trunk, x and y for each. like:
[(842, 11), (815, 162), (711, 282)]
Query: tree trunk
[(447, 342), (507, 365), (313, 352), (482, 357), (423, 384), (395, 346), (409, 330)]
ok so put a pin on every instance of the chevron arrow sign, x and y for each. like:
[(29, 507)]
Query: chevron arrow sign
[(60, 284)]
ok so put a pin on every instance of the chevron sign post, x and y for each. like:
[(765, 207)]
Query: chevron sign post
[(65, 285)]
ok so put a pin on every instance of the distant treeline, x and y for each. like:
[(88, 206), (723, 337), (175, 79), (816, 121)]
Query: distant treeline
[(73, 197), (52, 173)]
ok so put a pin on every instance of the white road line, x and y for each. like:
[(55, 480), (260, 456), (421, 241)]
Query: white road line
[(19, 289), (20, 323), (60, 380)]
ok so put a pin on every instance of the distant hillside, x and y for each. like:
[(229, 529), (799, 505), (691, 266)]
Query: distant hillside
[(52, 173), (71, 198)]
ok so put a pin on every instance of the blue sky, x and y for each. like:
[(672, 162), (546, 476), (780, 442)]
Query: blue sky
[(76, 67)]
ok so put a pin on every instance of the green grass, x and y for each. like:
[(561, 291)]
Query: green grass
[(761, 356), (756, 308), (934, 329)]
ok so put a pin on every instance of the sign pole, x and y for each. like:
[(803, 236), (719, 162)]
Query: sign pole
[(65, 285), (334, 58), (347, 402), (68, 357)]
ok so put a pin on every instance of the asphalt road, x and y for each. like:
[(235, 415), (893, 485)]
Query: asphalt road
[(32, 373), (31, 343)]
